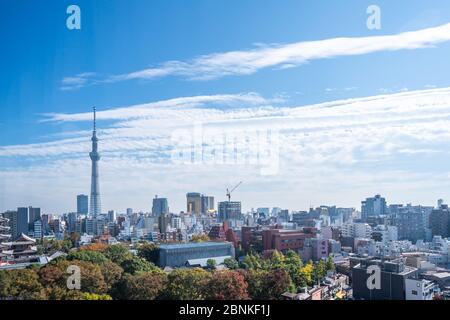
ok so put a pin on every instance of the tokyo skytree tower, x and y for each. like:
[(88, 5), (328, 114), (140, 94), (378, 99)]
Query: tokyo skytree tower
[(95, 208)]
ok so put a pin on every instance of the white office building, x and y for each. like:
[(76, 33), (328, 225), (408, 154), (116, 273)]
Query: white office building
[(357, 230), (419, 289)]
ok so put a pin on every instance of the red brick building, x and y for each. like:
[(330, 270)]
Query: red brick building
[(283, 240)]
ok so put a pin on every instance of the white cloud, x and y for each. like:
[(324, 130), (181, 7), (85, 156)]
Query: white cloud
[(281, 56), (337, 151), (78, 81), (174, 106)]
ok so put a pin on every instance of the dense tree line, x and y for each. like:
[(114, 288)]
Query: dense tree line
[(113, 272)]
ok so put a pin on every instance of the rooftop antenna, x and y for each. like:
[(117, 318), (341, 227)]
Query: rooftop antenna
[(95, 118)]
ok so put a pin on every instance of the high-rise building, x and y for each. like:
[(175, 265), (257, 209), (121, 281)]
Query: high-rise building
[(373, 207), (176, 222), (112, 216), (34, 214), (411, 221), (283, 216), (263, 212), (163, 222), (5, 229), (82, 204), (38, 232), (45, 224), (72, 222), (80, 227), (229, 210), (356, 230), (194, 203), (56, 225), (207, 204), (160, 206), (19, 222), (101, 226), (95, 205), (440, 221), (91, 226), (198, 203)]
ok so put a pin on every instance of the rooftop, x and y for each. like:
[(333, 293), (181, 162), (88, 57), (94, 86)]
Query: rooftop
[(441, 275), (193, 245), (204, 261)]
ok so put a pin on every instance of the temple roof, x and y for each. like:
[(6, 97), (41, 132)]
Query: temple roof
[(23, 238)]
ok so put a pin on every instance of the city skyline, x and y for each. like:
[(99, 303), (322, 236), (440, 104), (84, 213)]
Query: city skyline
[(357, 112), (178, 153)]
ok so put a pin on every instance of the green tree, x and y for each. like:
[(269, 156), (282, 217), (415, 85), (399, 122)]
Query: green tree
[(330, 264), (68, 243), (136, 264), (186, 284), (231, 263), (320, 271), (118, 253), (252, 261), (149, 252), (89, 256), (277, 260), (211, 263), (268, 285), (293, 263), (51, 246)]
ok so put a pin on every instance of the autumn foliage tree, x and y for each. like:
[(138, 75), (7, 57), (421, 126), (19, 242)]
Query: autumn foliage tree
[(187, 284), (267, 285), (113, 271), (305, 275), (143, 286), (101, 247), (21, 285), (226, 285), (92, 280), (200, 238)]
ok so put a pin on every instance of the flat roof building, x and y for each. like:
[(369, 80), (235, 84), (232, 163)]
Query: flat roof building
[(283, 240), (388, 283), (178, 255)]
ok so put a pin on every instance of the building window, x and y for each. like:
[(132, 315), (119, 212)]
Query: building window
[(414, 292)]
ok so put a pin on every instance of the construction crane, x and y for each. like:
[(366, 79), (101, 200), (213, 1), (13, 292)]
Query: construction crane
[(230, 191)]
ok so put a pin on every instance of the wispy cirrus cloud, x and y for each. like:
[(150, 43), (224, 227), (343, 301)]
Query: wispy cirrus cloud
[(246, 62), (336, 150), (78, 81), (176, 105)]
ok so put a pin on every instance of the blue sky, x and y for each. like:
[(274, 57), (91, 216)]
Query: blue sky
[(40, 56)]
